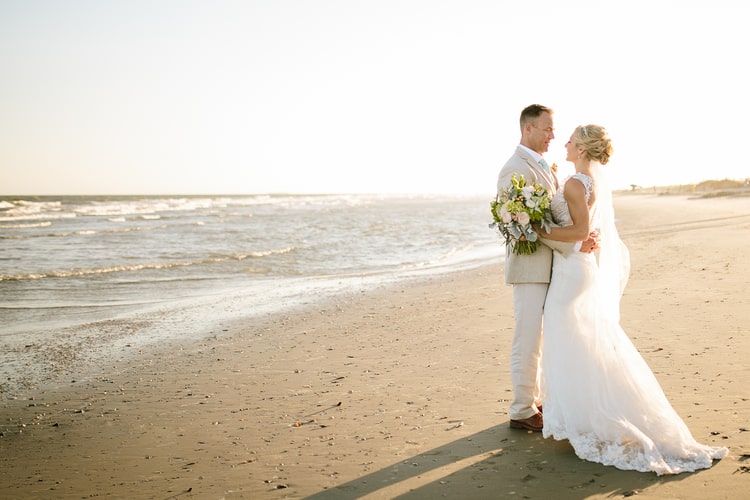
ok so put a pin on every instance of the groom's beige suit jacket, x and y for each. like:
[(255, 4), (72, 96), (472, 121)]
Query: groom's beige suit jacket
[(537, 267)]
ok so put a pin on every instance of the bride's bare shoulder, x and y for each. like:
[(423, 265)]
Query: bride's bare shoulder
[(580, 185)]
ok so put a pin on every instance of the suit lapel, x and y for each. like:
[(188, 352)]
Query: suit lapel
[(548, 179)]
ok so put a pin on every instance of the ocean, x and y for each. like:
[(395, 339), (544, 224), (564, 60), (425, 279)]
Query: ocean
[(84, 274)]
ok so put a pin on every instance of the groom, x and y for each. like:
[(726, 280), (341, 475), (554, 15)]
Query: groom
[(530, 274)]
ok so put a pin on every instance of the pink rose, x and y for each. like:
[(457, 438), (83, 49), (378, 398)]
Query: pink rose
[(505, 215)]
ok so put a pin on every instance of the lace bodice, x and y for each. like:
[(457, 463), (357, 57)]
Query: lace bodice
[(558, 205)]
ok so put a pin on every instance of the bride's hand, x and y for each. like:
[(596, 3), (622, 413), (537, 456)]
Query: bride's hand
[(592, 243)]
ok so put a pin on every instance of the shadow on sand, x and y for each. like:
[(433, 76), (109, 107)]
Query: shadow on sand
[(496, 463)]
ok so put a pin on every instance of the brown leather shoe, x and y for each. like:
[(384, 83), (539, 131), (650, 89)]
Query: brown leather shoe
[(534, 423)]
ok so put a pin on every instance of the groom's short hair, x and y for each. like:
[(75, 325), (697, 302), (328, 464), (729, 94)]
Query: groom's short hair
[(532, 112)]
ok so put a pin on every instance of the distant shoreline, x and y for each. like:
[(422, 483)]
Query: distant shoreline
[(703, 189)]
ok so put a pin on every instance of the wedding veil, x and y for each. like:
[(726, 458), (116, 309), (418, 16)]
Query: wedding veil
[(613, 256)]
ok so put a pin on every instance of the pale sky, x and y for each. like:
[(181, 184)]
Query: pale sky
[(323, 96)]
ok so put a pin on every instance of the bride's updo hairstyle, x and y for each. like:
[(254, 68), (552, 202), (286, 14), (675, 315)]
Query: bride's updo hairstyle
[(595, 141)]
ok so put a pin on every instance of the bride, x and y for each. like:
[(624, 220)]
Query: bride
[(598, 392)]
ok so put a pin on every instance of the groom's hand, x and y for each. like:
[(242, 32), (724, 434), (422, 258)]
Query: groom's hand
[(591, 244)]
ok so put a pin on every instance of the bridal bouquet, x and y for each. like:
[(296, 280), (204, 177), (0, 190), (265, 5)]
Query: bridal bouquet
[(514, 210)]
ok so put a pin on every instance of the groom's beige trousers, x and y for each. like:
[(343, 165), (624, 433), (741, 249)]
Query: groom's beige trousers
[(526, 350)]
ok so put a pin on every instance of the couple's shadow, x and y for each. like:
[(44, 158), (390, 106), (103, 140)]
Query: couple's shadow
[(497, 462)]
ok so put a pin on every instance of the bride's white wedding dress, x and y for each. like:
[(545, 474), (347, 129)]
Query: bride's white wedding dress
[(598, 392)]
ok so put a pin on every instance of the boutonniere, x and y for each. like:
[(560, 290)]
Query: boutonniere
[(554, 168)]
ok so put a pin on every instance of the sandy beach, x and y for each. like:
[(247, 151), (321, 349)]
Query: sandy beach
[(400, 392)]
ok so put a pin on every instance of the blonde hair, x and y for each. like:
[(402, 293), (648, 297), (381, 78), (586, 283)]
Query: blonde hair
[(595, 142)]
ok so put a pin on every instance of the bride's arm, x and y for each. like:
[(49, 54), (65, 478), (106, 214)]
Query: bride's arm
[(575, 196)]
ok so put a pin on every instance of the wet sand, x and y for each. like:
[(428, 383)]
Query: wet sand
[(402, 391)]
